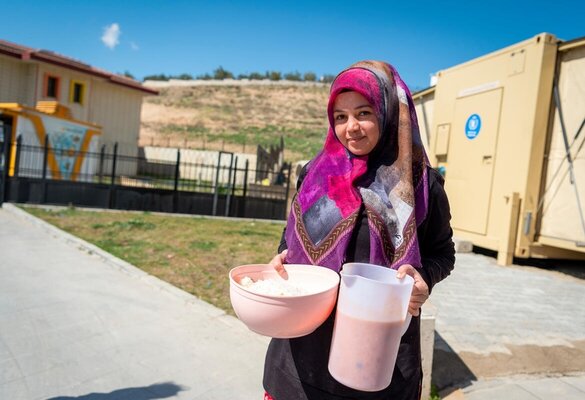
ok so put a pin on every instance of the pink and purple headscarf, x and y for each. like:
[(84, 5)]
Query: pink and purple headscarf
[(391, 182)]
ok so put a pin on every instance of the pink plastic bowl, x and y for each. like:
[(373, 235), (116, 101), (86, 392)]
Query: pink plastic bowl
[(284, 316)]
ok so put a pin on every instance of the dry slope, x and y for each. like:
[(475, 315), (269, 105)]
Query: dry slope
[(237, 117)]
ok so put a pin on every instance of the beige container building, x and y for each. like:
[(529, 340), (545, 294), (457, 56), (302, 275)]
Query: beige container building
[(494, 126)]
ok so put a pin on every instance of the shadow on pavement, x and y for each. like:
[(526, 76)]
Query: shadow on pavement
[(449, 370), (574, 268), (151, 392)]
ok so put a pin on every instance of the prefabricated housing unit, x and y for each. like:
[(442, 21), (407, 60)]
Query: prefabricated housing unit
[(112, 101), (507, 131)]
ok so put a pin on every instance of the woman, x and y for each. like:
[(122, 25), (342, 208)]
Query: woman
[(368, 196)]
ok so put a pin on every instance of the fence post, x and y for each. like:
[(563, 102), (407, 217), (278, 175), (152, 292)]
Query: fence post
[(113, 178), (177, 173), (235, 181), (5, 161), (17, 155), (230, 187), (242, 211), (216, 186), (44, 176), (101, 168), (114, 162), (287, 191)]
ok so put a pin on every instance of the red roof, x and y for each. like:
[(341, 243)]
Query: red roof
[(27, 53)]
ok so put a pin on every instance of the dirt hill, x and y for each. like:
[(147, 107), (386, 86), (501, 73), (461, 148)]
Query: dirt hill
[(237, 117)]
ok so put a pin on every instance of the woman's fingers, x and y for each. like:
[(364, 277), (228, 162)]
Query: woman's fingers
[(420, 290), (405, 269), (416, 302), (278, 263)]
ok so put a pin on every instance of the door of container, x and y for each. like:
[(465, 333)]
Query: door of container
[(471, 159)]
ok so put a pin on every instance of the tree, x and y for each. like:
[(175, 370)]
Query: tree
[(185, 77), (127, 74), (275, 76), (256, 75), (159, 77), (221, 73), (310, 77), (293, 76)]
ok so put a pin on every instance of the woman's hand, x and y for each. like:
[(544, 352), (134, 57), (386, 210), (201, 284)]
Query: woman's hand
[(278, 263), (420, 290)]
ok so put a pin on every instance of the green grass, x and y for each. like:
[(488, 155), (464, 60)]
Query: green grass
[(194, 254), (187, 131), (434, 393), (305, 142)]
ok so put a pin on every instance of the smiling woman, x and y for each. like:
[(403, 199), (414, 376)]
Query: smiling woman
[(356, 124), (369, 197)]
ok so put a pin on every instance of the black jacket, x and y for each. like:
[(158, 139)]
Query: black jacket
[(297, 368)]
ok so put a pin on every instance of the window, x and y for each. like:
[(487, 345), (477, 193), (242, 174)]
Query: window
[(76, 92), (51, 86)]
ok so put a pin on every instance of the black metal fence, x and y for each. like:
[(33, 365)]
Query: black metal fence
[(107, 179)]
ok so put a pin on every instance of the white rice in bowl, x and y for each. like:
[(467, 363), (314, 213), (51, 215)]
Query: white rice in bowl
[(273, 287)]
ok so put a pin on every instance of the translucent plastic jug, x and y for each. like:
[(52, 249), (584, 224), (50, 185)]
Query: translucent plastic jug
[(371, 317)]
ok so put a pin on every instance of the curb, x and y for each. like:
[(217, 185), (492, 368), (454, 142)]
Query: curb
[(119, 264), (177, 215)]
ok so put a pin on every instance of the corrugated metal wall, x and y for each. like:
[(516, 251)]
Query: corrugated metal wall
[(16, 81), (117, 110)]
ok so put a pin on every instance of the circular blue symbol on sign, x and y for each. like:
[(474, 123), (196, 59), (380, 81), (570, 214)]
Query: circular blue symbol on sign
[(472, 126)]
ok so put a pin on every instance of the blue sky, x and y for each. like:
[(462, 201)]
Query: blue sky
[(173, 37)]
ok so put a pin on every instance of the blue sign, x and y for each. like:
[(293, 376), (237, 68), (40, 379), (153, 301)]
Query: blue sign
[(472, 126)]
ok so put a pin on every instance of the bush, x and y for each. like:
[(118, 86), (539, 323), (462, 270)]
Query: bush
[(221, 73), (293, 76), (185, 77), (275, 76), (242, 76), (204, 77), (159, 77), (310, 77), (256, 75)]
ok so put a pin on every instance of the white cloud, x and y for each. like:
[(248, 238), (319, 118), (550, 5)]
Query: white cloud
[(111, 35), (134, 46)]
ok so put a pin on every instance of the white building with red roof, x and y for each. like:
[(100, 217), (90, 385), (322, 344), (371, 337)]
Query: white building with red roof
[(29, 76)]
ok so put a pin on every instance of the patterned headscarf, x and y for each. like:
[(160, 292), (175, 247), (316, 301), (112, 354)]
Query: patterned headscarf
[(390, 182)]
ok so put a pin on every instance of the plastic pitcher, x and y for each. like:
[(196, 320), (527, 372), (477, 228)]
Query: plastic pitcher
[(371, 317)]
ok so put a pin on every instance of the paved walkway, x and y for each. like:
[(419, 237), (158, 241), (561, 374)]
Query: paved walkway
[(486, 308), (497, 324), (571, 387), (73, 326)]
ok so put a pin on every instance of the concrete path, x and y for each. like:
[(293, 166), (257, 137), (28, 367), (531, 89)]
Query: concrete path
[(73, 326), (497, 324), (571, 387), (84, 325), (487, 308)]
